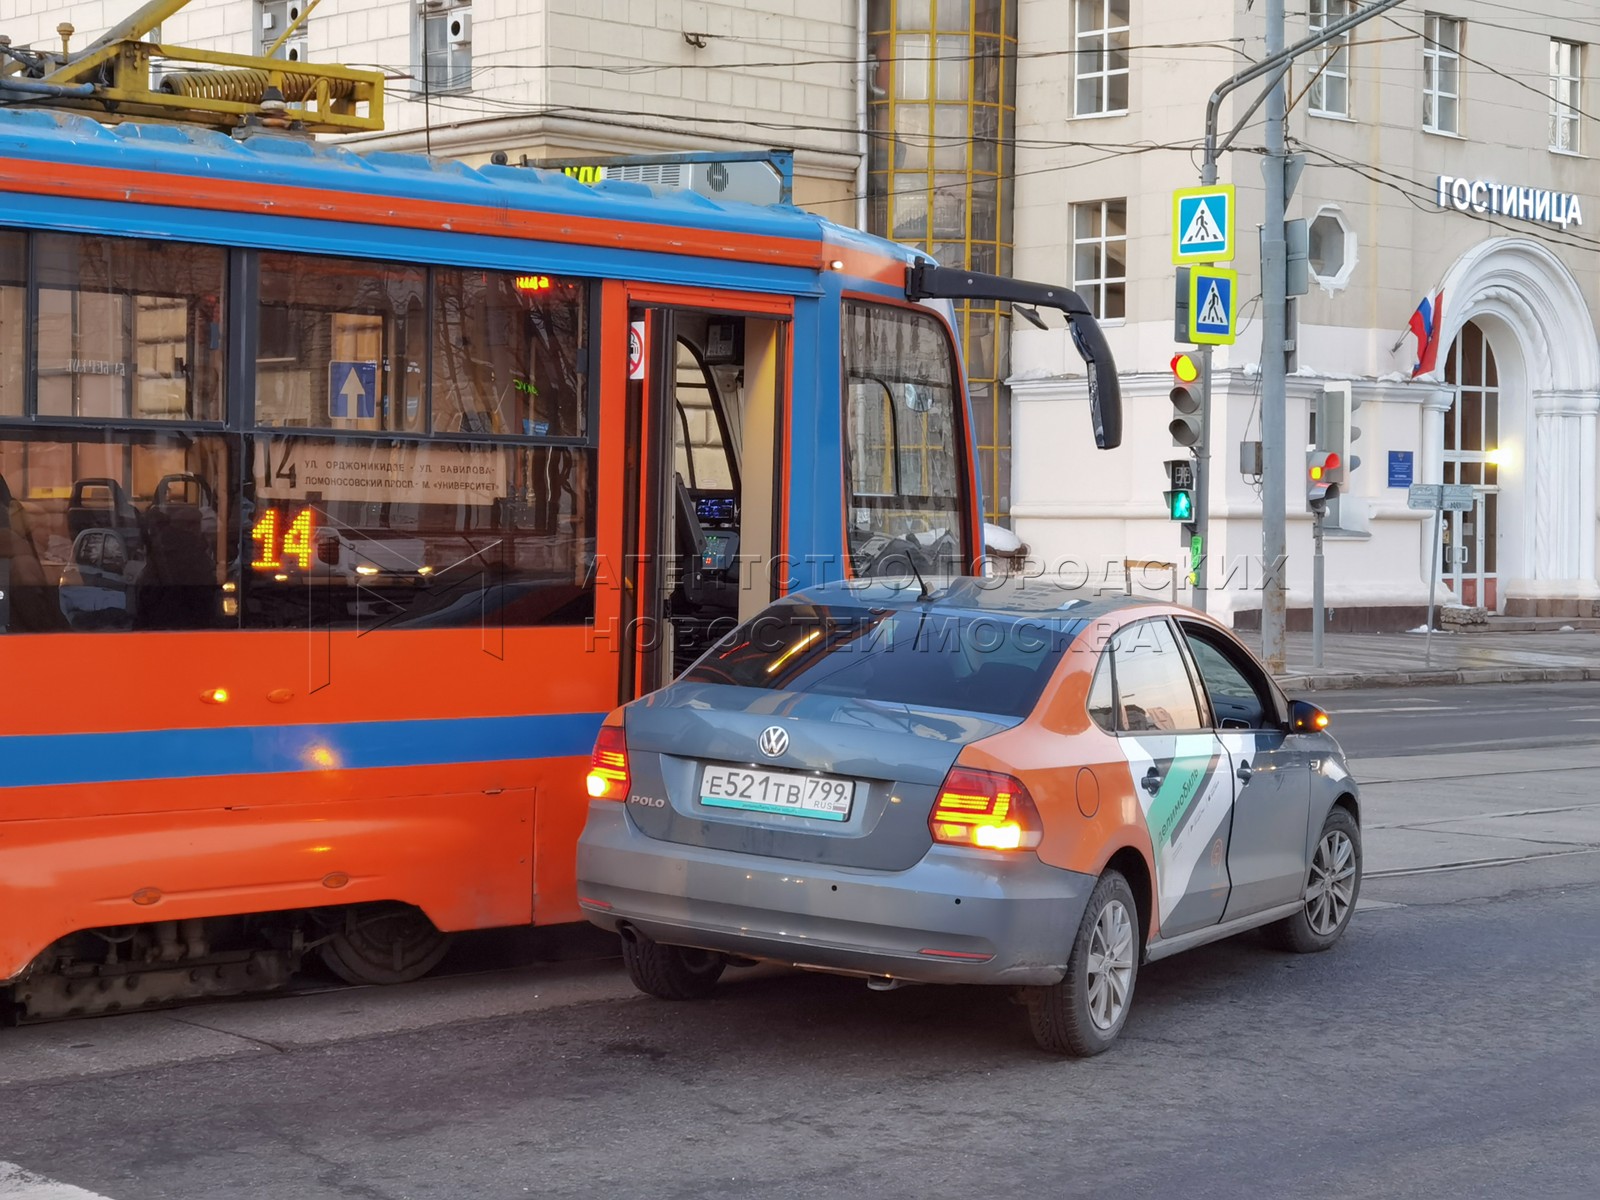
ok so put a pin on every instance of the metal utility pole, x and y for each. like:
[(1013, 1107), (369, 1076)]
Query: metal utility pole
[(1274, 284), (1274, 305), (1202, 484), (1317, 615)]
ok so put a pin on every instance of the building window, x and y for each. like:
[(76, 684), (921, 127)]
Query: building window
[(1100, 256), (446, 46), (1101, 43), (1330, 86), (274, 19), (1331, 249), (1441, 75), (1566, 84), (942, 124)]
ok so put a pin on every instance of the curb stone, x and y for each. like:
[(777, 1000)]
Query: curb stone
[(1329, 682)]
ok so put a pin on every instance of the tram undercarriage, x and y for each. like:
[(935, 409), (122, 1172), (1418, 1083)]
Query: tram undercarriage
[(119, 969)]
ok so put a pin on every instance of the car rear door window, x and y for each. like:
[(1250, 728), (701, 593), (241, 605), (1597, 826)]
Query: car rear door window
[(1103, 696), (976, 662), (1153, 689)]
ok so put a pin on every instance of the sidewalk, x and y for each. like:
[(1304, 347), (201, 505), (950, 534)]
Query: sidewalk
[(1360, 660)]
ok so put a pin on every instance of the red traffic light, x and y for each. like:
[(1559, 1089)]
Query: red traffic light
[(1185, 368)]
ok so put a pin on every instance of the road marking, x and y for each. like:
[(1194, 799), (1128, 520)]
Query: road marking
[(1427, 708), (17, 1184)]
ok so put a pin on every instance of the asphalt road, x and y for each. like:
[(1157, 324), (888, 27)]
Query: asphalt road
[(1397, 721), (1443, 1050), (1446, 1047)]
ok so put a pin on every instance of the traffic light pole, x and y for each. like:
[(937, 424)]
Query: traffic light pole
[(1316, 587), (1274, 286), (1202, 485)]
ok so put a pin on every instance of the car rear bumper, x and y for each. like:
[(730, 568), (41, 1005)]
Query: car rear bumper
[(958, 916)]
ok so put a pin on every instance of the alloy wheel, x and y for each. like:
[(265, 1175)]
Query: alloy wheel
[(1333, 882), (1110, 965)]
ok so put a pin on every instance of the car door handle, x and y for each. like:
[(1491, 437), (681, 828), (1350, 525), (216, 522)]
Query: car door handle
[(1151, 781), (1244, 772)]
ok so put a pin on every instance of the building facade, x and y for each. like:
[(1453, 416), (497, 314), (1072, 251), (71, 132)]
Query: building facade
[(558, 78), (1447, 159)]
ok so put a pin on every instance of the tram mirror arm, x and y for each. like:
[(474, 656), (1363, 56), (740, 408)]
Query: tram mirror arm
[(928, 281)]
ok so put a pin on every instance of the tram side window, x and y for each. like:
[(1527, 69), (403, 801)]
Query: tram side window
[(384, 533), (129, 328), (905, 491), (341, 344), (509, 353), (13, 315), (103, 532)]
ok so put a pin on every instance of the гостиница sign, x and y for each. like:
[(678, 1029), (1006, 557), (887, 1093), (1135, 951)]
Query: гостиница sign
[(1509, 200)]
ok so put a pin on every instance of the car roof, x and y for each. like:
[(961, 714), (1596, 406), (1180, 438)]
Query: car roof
[(1010, 596)]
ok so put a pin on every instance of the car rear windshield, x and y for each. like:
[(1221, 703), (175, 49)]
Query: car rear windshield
[(978, 662)]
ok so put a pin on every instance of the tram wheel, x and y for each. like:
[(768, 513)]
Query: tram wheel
[(384, 943)]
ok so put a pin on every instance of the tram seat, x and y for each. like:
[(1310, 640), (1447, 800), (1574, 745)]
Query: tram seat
[(87, 509), (29, 604), (178, 588)]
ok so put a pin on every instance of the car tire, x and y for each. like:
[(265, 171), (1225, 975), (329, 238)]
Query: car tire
[(1333, 885), (671, 972), (1083, 1014)]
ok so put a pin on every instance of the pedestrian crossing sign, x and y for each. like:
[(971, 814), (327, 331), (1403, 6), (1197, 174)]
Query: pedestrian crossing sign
[(1202, 224), (1213, 305)]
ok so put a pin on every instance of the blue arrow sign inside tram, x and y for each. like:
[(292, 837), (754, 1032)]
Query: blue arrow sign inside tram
[(352, 389)]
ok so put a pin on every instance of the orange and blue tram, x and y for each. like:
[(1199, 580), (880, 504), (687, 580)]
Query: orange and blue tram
[(342, 494)]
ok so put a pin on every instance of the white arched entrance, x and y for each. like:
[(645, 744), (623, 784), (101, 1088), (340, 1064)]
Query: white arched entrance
[(1532, 315)]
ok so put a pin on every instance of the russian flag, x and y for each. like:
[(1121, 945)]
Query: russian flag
[(1425, 324)]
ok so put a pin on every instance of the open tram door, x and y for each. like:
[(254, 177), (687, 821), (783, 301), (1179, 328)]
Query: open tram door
[(705, 470)]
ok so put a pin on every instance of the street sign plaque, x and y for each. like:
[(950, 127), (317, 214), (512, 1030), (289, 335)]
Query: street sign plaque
[(1213, 306), (1202, 225), (1425, 495), (1452, 497)]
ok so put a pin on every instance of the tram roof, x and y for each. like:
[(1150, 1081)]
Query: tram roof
[(264, 164)]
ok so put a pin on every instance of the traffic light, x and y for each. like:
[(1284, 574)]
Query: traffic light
[(1336, 433), (1324, 471), (1180, 493), (1185, 423)]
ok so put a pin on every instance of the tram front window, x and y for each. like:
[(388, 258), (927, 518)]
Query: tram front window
[(904, 478)]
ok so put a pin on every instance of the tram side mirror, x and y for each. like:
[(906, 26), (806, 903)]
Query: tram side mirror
[(1105, 390), (1306, 717)]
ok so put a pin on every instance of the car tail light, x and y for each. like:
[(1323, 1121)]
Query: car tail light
[(608, 769), (984, 809)]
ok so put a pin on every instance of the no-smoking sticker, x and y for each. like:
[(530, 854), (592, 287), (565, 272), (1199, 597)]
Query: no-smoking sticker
[(636, 350)]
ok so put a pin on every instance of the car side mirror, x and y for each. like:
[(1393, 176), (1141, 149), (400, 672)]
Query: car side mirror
[(1306, 717)]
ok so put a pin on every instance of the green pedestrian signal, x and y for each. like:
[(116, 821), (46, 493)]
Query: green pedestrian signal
[(1180, 497)]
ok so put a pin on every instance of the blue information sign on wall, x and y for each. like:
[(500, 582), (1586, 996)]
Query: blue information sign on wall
[(1400, 468)]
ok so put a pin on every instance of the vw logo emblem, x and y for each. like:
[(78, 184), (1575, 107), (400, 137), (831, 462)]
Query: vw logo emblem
[(774, 741)]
